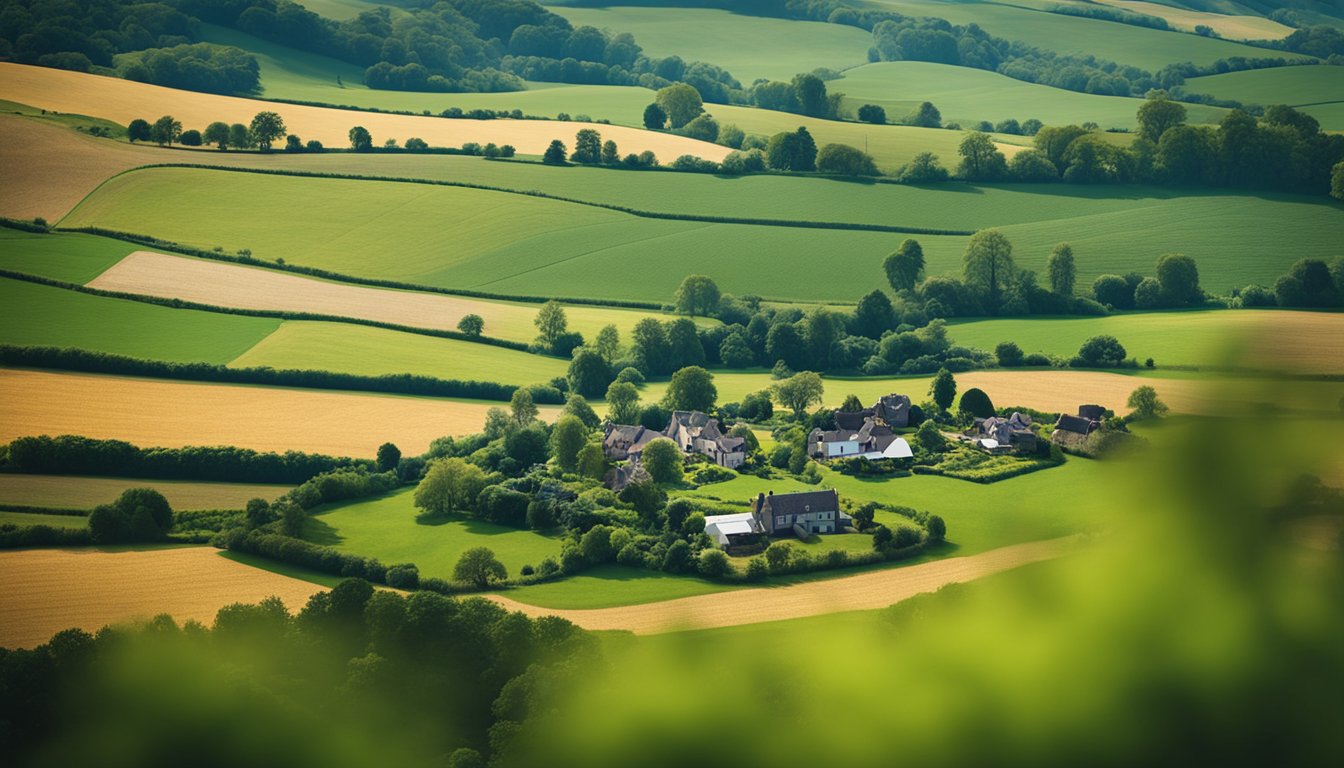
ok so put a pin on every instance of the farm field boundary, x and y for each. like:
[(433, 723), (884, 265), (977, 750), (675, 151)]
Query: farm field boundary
[(865, 591)]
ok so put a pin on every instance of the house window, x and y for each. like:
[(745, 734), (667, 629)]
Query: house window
[(779, 520)]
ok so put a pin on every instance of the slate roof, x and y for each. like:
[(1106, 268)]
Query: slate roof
[(1076, 424), (852, 420), (800, 503)]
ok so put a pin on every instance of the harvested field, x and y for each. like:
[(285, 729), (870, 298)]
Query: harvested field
[(1227, 26), (49, 168), (151, 412), (48, 590), (68, 492), (866, 591), (124, 101), (232, 285)]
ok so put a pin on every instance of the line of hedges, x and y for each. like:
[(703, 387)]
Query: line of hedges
[(278, 314), (22, 536), (76, 455), (84, 361), (992, 475), (848, 226), (326, 274), (31, 510)]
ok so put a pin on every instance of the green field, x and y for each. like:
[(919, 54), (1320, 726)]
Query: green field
[(72, 258), (611, 585), (377, 351), (1149, 49), (25, 519), (527, 246), (749, 47), (1319, 85), (1330, 115), (967, 96), (66, 492), (1170, 338), (390, 528), (38, 315)]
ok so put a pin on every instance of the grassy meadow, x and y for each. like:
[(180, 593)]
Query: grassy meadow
[(27, 519), (1142, 47), (486, 240), (69, 257), (1233, 27), (1306, 86), (376, 351), (68, 492), (967, 96), (749, 47), (393, 530)]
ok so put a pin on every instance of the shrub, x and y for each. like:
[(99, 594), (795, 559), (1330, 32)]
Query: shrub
[(714, 564)]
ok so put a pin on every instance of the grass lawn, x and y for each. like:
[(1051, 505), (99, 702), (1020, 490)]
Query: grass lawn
[(965, 95), (612, 585), (25, 519), (73, 258), (377, 351), (392, 529), (1149, 49), (749, 47), (32, 314), (526, 246), (68, 492), (1302, 341)]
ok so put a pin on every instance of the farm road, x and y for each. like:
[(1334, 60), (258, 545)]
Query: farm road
[(865, 591)]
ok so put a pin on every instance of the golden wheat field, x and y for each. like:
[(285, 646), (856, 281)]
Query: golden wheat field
[(67, 492), (230, 285), (123, 101), (149, 412), (48, 590), (1232, 27), (49, 168), (865, 591)]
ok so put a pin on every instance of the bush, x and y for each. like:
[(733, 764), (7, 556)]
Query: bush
[(403, 577), (714, 564), (139, 514), (975, 402)]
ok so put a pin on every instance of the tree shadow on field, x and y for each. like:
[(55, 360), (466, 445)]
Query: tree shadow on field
[(319, 531)]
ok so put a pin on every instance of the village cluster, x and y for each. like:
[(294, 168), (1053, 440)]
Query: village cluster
[(869, 434)]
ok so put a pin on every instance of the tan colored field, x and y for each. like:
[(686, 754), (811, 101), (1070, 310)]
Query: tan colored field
[(49, 168), (865, 591), (231, 285), (48, 590), (123, 101), (65, 492), (1231, 27), (150, 412)]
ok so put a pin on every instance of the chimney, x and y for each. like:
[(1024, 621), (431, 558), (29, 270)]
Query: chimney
[(772, 492)]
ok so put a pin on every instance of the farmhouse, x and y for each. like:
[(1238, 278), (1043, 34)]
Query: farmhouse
[(870, 440), (622, 441), (732, 530), (799, 514), (696, 432), (1000, 435), (1072, 431)]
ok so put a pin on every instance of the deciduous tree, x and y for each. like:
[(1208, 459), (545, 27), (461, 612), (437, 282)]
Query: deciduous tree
[(1145, 404), (800, 392), (266, 128), (943, 390), (662, 459), (449, 484), (697, 295), (692, 389), (1062, 270), (905, 266), (479, 567), (988, 266), (567, 439)]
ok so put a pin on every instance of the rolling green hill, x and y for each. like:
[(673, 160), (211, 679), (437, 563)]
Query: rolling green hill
[(518, 245), (967, 96), (1141, 47), (749, 47), (1305, 87)]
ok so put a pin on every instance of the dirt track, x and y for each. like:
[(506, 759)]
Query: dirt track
[(48, 590), (123, 101), (865, 591)]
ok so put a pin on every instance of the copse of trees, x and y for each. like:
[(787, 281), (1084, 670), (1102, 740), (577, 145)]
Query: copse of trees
[(1175, 285), (806, 95), (194, 67), (139, 514)]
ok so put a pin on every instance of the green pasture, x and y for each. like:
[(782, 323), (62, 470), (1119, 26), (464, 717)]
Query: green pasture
[(517, 245), (73, 258), (1170, 338), (26, 519), (749, 47), (376, 351), (1329, 115), (1149, 49), (612, 585), (72, 492), (393, 530), (1307, 87), (39, 315), (967, 96)]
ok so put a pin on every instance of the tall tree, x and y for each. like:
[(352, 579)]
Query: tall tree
[(684, 345), (681, 103), (943, 390), (988, 266), (589, 373), (567, 439), (551, 323), (800, 392), (1158, 114), (449, 484), (697, 295), (555, 153), (874, 315), (1063, 272), (980, 159), (608, 343), (587, 147), (266, 128), (622, 403), (809, 91), (139, 130), (650, 346), (360, 139), (166, 130), (654, 117), (522, 407), (905, 266), (692, 389), (1178, 277), (389, 455), (479, 567), (217, 133), (663, 460)]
